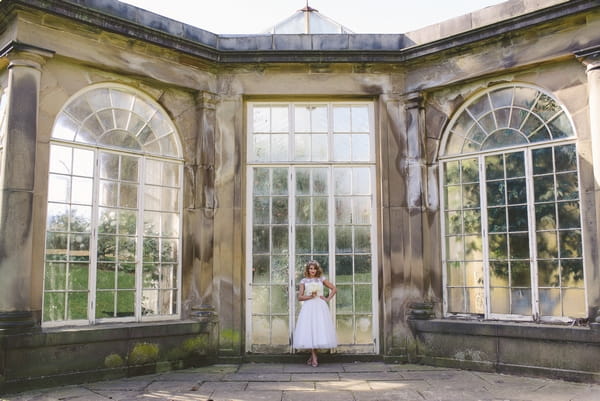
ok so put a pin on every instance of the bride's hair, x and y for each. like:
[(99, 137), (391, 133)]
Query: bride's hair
[(315, 264)]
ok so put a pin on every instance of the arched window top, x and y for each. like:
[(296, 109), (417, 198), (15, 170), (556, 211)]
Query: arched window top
[(506, 116), (118, 117)]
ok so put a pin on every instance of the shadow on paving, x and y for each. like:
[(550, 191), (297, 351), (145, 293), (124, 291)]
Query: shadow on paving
[(360, 381)]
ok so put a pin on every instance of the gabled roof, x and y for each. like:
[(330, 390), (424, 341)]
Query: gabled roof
[(308, 21)]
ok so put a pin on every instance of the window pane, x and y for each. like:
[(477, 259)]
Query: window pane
[(360, 148), (456, 300), (280, 210), (261, 119), (261, 212), (494, 167), (303, 210), (566, 158), (542, 161), (83, 162), (302, 149), (452, 172), (455, 274), (363, 298), (341, 119), (279, 147), (279, 119), (109, 166), (319, 147), (570, 244), (60, 159), (320, 181), (568, 215), (343, 181), (516, 191), (499, 274), (342, 147), (360, 119), (260, 269), (343, 269), (321, 240), (302, 119), (262, 147), (303, 239), (567, 187), (59, 188)]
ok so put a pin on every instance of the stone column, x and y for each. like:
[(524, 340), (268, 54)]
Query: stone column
[(403, 170), (200, 219), (591, 59), (415, 170), (16, 186)]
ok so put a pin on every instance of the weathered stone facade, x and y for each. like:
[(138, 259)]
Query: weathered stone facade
[(53, 50)]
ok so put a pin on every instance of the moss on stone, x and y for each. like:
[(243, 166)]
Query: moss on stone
[(196, 345), (230, 336), (143, 353), (113, 361)]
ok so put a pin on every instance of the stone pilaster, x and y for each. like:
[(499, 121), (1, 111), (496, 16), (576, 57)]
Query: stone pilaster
[(16, 185), (591, 59), (199, 220), (413, 109)]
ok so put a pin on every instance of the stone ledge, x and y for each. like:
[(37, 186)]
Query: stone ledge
[(111, 332), (518, 330)]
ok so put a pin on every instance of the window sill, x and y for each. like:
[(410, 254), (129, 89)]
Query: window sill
[(521, 330)]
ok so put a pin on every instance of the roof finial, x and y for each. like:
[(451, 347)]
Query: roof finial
[(308, 8)]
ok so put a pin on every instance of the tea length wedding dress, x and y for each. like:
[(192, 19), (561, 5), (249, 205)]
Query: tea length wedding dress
[(314, 328)]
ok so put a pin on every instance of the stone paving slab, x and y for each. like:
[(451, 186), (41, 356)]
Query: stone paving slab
[(340, 395), (255, 377), (315, 377), (371, 381), (354, 385), (281, 386), (387, 395), (247, 396)]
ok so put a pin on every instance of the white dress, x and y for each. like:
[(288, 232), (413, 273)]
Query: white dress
[(314, 328)]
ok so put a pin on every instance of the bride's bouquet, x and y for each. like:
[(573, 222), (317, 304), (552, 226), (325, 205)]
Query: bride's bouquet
[(313, 288)]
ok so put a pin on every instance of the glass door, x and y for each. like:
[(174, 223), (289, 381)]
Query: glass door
[(281, 245), (310, 196)]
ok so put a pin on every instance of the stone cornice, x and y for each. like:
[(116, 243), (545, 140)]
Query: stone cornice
[(134, 22), (590, 57)]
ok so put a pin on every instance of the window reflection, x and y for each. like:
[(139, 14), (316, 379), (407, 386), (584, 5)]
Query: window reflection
[(531, 197), (117, 189)]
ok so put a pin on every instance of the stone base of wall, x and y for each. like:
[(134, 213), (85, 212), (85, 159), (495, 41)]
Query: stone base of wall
[(561, 352), (78, 354)]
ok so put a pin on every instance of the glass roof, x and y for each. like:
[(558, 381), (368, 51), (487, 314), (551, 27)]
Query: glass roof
[(308, 21)]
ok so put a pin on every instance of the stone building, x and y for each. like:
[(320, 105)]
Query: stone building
[(162, 186)]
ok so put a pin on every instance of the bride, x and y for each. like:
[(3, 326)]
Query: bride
[(314, 328)]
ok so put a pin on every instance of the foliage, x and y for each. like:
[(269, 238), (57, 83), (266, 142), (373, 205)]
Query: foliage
[(143, 353), (113, 361)]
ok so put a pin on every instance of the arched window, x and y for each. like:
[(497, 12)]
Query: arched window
[(113, 232), (512, 245)]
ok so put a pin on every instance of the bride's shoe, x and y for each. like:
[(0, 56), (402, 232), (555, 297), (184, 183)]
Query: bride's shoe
[(314, 363), (309, 362)]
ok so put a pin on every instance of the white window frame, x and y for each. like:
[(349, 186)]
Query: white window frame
[(292, 166), (143, 158), (480, 156)]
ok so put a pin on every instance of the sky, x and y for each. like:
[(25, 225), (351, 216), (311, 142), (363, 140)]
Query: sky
[(360, 16)]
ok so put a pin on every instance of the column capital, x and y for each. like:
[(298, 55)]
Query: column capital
[(23, 55), (589, 57), (414, 100), (206, 99)]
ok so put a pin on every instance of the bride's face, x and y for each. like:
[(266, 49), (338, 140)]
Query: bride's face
[(312, 270)]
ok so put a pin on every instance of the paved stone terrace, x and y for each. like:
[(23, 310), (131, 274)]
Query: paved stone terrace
[(361, 381)]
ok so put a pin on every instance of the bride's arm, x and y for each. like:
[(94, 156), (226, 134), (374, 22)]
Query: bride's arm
[(332, 289)]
